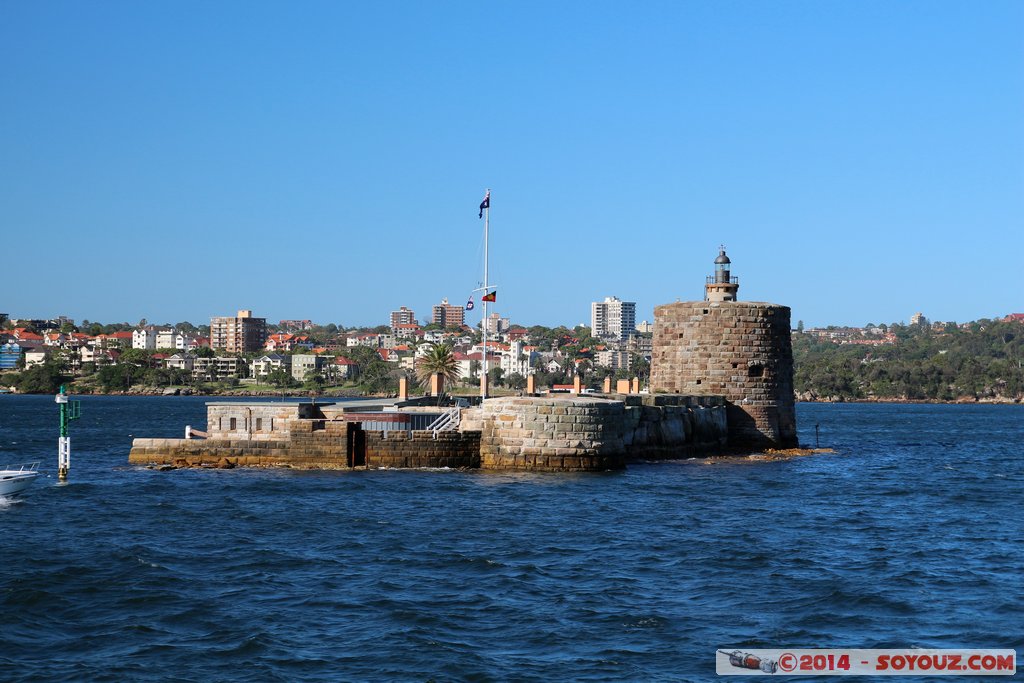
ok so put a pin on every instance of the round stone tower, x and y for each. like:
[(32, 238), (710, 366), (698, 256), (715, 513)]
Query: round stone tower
[(739, 350)]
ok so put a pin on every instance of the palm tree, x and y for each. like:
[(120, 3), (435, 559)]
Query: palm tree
[(439, 359)]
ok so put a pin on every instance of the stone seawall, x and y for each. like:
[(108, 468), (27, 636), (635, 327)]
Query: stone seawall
[(421, 448), (310, 445), (317, 444), (664, 427), (555, 434), (596, 433)]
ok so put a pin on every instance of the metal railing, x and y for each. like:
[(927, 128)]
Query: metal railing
[(448, 421), (21, 467)]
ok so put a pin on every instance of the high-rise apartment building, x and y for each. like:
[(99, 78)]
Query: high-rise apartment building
[(403, 316), (241, 334), (495, 324), (612, 318), (447, 315)]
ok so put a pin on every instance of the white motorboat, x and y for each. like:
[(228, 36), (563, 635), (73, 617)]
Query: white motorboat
[(16, 478)]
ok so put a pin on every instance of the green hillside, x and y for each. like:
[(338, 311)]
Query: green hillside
[(981, 361)]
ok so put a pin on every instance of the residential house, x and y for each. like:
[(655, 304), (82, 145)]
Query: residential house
[(36, 356), (407, 331), (180, 361), (145, 338), (295, 325), (345, 368), (219, 367), (612, 358), (264, 365), (518, 359), (23, 335), (467, 360), (173, 339), (10, 353), (303, 364), (54, 339)]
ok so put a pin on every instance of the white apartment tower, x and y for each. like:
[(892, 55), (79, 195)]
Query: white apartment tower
[(612, 318)]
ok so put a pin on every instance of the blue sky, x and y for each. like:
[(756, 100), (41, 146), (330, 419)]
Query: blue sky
[(861, 161)]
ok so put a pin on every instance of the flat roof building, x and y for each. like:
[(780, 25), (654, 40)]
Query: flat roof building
[(240, 334), (612, 318)]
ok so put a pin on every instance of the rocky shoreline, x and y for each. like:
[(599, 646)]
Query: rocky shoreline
[(963, 400)]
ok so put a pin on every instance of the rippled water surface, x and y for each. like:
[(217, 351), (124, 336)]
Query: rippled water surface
[(911, 535)]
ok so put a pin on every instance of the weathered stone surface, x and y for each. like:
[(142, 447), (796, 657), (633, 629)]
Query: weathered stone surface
[(741, 351), (590, 434)]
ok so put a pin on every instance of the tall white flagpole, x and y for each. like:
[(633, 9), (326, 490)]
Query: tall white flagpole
[(487, 219)]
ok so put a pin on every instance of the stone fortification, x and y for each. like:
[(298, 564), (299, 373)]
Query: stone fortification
[(400, 449), (317, 444), (593, 434), (573, 434), (739, 350), (556, 434), (309, 444)]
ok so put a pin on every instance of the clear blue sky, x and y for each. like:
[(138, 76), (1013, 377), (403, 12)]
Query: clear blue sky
[(861, 161)]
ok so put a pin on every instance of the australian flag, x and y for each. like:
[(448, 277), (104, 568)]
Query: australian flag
[(485, 204)]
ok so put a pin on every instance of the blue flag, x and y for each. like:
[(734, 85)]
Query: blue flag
[(485, 204)]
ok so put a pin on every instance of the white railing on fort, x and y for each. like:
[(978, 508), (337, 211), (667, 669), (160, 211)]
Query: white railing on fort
[(447, 421)]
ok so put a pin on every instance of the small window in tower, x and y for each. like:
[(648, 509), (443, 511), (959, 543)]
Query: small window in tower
[(259, 424), (234, 424), (755, 370), (735, 365), (698, 381), (705, 311)]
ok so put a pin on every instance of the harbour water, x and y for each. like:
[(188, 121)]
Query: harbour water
[(909, 536)]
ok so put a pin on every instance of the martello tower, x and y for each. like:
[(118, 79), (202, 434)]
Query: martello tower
[(725, 347)]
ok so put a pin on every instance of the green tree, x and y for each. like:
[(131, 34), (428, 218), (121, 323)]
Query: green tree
[(281, 378), (314, 379), (44, 378), (439, 359), (117, 377), (139, 357)]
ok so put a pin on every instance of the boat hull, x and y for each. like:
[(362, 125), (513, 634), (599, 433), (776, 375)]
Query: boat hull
[(14, 482)]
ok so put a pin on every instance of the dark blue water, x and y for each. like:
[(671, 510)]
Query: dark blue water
[(910, 536)]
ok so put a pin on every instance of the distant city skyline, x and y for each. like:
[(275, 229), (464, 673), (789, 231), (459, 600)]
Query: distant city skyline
[(860, 161)]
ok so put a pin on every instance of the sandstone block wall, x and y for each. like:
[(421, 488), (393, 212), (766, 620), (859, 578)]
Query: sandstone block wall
[(552, 434), (739, 350), (659, 427), (252, 421), (422, 448), (592, 433), (310, 445)]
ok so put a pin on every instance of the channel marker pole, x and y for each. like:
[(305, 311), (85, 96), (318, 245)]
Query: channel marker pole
[(69, 410)]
